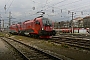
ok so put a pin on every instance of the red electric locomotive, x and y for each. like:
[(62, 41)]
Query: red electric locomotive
[(39, 27)]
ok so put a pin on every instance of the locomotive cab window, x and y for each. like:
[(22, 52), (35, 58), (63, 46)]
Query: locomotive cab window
[(46, 22), (37, 22)]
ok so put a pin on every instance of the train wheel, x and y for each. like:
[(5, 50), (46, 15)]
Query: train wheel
[(36, 36), (31, 35)]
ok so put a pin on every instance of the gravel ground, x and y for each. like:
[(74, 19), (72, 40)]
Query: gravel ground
[(8, 53), (57, 49)]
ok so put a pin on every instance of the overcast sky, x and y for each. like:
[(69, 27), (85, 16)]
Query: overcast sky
[(23, 9)]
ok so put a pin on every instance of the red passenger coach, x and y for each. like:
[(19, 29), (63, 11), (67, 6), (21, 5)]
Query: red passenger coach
[(39, 27), (13, 29)]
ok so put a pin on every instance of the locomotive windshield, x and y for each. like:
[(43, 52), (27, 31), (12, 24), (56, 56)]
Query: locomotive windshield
[(46, 22)]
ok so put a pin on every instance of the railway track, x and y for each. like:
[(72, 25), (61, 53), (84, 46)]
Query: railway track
[(72, 41), (28, 52)]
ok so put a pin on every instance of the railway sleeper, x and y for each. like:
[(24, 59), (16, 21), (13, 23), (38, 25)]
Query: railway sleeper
[(87, 45), (46, 54)]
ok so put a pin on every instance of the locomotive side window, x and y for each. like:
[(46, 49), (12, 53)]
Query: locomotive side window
[(47, 22)]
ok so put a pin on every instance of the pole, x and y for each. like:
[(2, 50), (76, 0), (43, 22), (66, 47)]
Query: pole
[(9, 19), (72, 21), (3, 25), (0, 22)]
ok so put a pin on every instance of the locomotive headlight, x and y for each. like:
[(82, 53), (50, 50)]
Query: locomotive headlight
[(42, 29)]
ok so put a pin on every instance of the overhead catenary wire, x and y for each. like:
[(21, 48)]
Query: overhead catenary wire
[(65, 5), (9, 6), (6, 2), (47, 6), (48, 3), (74, 2), (70, 3), (54, 4), (58, 3), (78, 9), (60, 7)]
